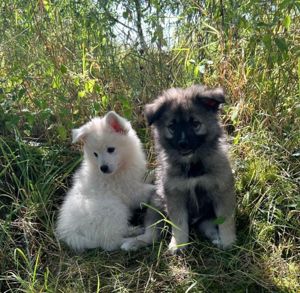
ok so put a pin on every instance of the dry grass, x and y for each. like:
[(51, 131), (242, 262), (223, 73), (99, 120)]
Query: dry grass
[(76, 70)]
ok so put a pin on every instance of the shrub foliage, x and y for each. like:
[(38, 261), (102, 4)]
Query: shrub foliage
[(63, 62)]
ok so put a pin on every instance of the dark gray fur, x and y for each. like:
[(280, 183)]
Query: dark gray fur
[(193, 178)]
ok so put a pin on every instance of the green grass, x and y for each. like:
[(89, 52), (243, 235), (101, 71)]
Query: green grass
[(78, 69), (265, 258)]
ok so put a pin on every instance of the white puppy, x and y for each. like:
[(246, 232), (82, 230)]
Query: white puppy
[(107, 186)]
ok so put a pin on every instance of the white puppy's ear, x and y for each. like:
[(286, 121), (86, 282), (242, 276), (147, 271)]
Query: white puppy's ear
[(117, 123), (79, 134)]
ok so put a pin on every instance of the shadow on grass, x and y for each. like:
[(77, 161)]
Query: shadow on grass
[(200, 268)]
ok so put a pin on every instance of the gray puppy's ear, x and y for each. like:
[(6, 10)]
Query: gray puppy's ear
[(217, 94), (155, 110), (117, 123), (211, 98)]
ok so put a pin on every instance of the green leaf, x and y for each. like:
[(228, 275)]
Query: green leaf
[(299, 69), (281, 44), (21, 93), (287, 22), (96, 107), (267, 40), (219, 221), (62, 132), (97, 88), (104, 101), (89, 85), (196, 71), (236, 139), (46, 5), (81, 94), (234, 115), (56, 82), (77, 81), (63, 69)]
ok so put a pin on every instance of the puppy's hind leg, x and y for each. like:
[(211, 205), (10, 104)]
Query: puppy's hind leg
[(153, 225), (178, 214), (227, 232), (210, 231)]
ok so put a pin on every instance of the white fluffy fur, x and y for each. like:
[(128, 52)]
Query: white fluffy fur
[(97, 208)]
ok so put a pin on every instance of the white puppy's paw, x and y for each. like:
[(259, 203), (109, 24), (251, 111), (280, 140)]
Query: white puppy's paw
[(135, 230), (131, 244)]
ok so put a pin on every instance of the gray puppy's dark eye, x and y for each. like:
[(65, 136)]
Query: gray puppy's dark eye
[(110, 149), (96, 155), (195, 123), (171, 127)]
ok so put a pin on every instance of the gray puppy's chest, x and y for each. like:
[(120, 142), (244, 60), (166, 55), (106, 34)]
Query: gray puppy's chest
[(186, 171), (192, 170), (198, 199)]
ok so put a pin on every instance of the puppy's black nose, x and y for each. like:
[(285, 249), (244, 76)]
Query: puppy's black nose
[(183, 144), (104, 168)]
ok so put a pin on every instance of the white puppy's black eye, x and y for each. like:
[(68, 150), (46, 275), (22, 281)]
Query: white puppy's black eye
[(110, 149), (96, 155)]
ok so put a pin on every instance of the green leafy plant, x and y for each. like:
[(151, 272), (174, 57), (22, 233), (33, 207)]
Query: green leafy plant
[(63, 62)]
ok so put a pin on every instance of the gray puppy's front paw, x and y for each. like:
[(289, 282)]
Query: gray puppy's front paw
[(174, 248), (224, 242), (227, 242)]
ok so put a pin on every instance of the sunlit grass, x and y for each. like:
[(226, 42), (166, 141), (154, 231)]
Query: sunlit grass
[(76, 70), (265, 258)]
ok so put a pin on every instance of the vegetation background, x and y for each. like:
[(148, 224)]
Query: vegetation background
[(63, 62)]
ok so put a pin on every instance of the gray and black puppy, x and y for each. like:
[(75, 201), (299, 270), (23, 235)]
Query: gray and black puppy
[(193, 177)]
